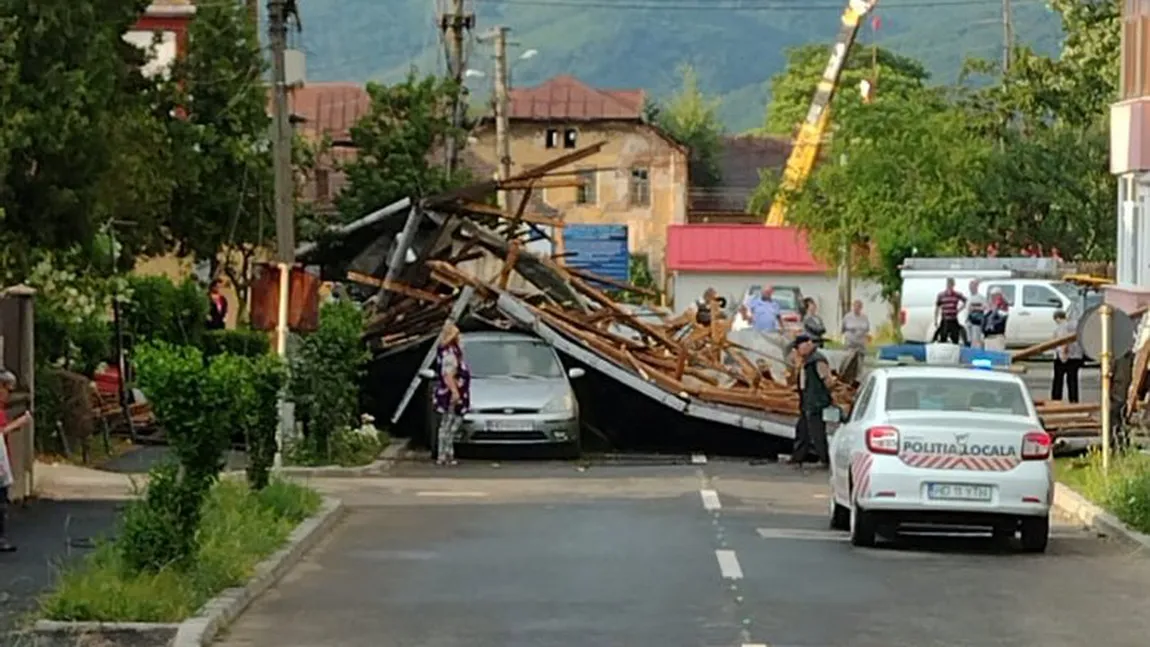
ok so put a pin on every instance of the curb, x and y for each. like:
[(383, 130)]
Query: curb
[(222, 610), (393, 452), (1079, 509)]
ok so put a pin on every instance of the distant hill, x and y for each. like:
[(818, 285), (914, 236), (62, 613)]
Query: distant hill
[(735, 45)]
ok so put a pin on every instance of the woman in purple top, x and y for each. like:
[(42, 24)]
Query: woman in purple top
[(452, 392)]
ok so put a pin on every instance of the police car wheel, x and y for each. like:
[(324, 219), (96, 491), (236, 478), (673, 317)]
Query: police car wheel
[(862, 526), (1035, 534), (840, 516)]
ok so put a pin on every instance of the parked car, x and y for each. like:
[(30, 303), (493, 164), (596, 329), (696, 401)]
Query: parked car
[(942, 446), (520, 394)]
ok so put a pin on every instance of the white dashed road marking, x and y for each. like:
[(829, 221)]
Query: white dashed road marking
[(729, 565), (795, 533), (698, 459), (450, 493), (710, 499)]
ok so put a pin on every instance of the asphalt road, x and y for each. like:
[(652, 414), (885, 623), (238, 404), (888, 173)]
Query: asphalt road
[(715, 555)]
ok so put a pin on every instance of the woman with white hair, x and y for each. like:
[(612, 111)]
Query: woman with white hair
[(7, 384), (452, 392), (994, 321)]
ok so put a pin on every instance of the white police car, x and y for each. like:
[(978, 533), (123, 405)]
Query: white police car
[(942, 445)]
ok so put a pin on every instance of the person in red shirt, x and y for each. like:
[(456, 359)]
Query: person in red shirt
[(7, 383), (946, 308)]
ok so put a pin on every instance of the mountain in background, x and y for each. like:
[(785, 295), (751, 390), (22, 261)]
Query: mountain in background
[(734, 45)]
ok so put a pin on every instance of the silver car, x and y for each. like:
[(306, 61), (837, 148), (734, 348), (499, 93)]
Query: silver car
[(520, 394)]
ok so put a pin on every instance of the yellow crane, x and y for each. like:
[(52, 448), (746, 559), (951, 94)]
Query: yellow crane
[(802, 159)]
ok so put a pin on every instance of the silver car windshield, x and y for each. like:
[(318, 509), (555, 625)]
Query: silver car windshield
[(955, 394), (511, 359)]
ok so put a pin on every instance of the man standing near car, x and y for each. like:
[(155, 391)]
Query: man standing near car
[(975, 311), (765, 311), (1067, 360), (946, 308), (814, 398)]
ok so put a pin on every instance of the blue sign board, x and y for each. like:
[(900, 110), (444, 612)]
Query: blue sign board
[(599, 249)]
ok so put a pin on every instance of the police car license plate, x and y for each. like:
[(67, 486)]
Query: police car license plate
[(959, 492), (509, 425)]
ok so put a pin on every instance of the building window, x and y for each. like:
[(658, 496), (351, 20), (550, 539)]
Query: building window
[(552, 138), (641, 187), (587, 192), (570, 136)]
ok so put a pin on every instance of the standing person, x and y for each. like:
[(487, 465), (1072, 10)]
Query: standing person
[(1067, 360), (856, 328), (7, 384), (452, 392), (994, 321), (976, 310), (765, 311), (814, 397), (946, 308), (813, 324), (217, 306), (703, 306)]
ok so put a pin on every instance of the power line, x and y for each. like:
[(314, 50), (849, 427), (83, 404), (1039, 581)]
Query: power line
[(734, 5)]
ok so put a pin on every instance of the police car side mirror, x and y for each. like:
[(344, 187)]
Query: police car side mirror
[(427, 374)]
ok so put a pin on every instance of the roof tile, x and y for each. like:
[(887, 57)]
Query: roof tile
[(567, 98)]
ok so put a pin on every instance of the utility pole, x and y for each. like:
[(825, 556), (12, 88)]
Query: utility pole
[(502, 120), (284, 194), (454, 25), (1007, 35)]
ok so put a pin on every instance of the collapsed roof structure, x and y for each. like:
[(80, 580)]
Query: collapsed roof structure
[(456, 257)]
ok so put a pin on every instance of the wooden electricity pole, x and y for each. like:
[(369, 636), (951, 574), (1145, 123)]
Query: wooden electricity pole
[(1007, 36), (454, 26)]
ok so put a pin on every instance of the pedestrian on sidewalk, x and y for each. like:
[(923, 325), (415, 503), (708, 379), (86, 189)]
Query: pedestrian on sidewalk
[(217, 306), (452, 392), (814, 398), (947, 305), (975, 311), (813, 324), (1067, 360), (994, 320), (856, 328), (7, 384)]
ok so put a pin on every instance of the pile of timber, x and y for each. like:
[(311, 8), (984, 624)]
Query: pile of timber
[(1062, 420)]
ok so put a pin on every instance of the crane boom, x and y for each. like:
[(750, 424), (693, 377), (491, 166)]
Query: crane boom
[(802, 159)]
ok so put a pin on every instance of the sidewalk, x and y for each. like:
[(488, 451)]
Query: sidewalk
[(75, 507)]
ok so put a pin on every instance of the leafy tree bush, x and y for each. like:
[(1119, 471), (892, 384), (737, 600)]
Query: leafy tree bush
[(326, 371), (246, 343), (268, 378), (161, 310), (160, 529)]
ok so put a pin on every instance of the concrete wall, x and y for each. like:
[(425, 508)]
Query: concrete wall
[(629, 145), (689, 286)]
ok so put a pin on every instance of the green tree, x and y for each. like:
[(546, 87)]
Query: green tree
[(691, 118), (906, 182), (406, 124), (221, 202), (74, 82), (792, 89)]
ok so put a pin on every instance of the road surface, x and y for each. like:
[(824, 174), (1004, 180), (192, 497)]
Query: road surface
[(719, 554)]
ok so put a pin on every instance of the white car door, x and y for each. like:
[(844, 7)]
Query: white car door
[(1036, 313), (846, 439)]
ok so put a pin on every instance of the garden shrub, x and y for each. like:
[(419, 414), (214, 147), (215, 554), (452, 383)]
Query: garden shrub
[(160, 529), (160, 310), (348, 447), (244, 342), (326, 371), (268, 378)]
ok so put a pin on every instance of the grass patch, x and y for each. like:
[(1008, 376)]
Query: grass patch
[(1125, 491), (349, 448), (239, 529)]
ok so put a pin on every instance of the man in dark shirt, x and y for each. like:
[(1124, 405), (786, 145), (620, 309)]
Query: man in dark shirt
[(814, 398), (946, 308)]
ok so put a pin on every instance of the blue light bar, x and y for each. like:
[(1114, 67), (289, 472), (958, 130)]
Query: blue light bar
[(982, 364)]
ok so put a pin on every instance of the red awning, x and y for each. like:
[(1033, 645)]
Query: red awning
[(739, 248)]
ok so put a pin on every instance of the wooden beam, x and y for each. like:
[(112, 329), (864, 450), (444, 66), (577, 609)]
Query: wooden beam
[(543, 183), (395, 286), (628, 287)]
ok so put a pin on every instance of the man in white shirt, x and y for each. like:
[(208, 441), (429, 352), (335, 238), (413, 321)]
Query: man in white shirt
[(975, 310)]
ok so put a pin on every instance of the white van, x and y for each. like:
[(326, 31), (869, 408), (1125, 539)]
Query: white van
[(1032, 303)]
